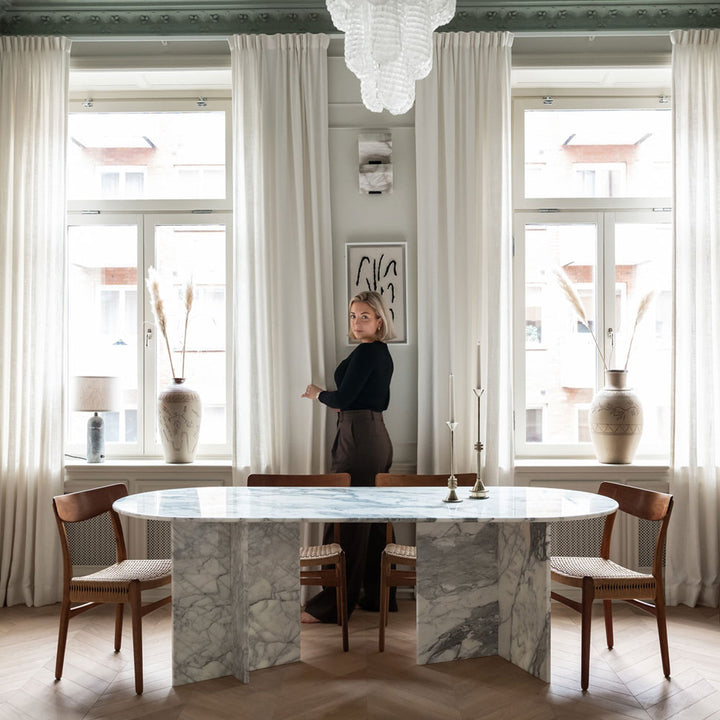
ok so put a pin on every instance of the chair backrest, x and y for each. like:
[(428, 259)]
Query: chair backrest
[(84, 505), (321, 480), (397, 480), (640, 503), (400, 480)]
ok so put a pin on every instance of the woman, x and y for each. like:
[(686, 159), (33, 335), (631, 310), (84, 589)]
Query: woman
[(362, 447)]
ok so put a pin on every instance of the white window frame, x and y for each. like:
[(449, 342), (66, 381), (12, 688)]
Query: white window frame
[(604, 213), (161, 103), (147, 352), (578, 101), (144, 214)]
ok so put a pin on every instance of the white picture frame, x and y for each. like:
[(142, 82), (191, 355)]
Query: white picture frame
[(381, 267)]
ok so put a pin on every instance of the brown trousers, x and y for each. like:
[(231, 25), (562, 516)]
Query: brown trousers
[(362, 448)]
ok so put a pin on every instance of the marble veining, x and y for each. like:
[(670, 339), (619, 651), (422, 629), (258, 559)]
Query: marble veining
[(272, 573), (524, 592), (203, 605), (483, 575), (457, 591)]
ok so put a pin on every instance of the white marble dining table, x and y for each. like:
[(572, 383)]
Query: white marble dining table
[(483, 571)]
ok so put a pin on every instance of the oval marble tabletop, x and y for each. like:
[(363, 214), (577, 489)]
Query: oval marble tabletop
[(363, 504)]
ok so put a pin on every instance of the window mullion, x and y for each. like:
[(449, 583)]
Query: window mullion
[(149, 342), (609, 320)]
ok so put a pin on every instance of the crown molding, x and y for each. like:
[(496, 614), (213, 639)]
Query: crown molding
[(83, 18)]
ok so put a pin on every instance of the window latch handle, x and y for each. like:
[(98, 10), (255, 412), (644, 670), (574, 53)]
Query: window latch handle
[(148, 336), (611, 335)]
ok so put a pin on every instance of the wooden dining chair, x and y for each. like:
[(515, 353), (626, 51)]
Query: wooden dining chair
[(120, 584), (319, 564), (601, 578), (403, 555)]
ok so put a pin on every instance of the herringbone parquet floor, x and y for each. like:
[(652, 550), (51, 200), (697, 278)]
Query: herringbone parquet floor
[(626, 682)]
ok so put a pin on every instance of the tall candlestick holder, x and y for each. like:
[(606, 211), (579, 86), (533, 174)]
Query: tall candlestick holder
[(479, 491), (452, 497)]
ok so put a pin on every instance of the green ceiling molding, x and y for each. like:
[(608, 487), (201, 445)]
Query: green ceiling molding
[(83, 18)]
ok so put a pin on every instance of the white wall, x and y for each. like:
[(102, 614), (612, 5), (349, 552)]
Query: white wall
[(358, 217)]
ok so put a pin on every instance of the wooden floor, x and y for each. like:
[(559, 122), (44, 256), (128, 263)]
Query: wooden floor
[(626, 682)]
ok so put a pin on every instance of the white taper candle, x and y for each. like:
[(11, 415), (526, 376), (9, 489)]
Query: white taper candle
[(452, 398)]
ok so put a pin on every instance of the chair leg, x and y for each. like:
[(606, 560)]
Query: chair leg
[(62, 638), (136, 613), (607, 609), (384, 602), (118, 625), (662, 633), (342, 601), (338, 594), (588, 594)]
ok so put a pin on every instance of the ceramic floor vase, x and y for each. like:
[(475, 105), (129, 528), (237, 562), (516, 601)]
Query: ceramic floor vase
[(616, 420), (179, 415)]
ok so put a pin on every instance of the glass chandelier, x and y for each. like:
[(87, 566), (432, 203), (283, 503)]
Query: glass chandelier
[(388, 45)]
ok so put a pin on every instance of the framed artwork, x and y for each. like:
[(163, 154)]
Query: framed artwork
[(380, 267)]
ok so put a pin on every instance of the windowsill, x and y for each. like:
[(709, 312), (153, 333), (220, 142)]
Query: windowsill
[(645, 463), (522, 465), (77, 465), (590, 468)]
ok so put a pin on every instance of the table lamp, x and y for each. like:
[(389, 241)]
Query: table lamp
[(96, 394)]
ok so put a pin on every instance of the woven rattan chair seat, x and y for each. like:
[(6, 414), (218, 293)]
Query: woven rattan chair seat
[(609, 579), (125, 572), (401, 552), (319, 553), (595, 566)]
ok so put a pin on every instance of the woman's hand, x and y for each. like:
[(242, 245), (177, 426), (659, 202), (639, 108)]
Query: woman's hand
[(312, 392)]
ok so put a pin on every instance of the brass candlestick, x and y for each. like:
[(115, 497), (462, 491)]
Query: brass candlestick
[(479, 491), (452, 480)]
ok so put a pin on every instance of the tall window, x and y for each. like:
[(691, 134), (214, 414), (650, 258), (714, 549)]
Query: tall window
[(149, 186), (593, 180)]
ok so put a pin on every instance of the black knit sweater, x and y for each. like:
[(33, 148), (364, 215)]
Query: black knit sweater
[(362, 379)]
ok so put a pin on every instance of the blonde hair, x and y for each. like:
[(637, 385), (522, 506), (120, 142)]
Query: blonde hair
[(386, 331)]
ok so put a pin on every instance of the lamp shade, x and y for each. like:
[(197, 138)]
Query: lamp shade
[(95, 393)]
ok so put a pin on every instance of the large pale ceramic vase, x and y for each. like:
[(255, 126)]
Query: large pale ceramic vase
[(179, 415), (616, 420)]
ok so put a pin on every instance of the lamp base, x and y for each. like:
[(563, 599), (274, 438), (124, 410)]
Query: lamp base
[(96, 439)]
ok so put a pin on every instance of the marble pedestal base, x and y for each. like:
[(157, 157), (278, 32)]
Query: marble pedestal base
[(484, 589), (236, 598)]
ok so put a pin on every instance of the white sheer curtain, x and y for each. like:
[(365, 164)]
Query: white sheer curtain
[(33, 121), (284, 336), (462, 128), (693, 575)]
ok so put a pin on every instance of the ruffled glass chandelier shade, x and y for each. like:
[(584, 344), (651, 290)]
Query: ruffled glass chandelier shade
[(388, 45)]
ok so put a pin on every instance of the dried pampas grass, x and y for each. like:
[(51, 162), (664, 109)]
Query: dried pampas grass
[(189, 297), (158, 307), (574, 299), (643, 307)]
